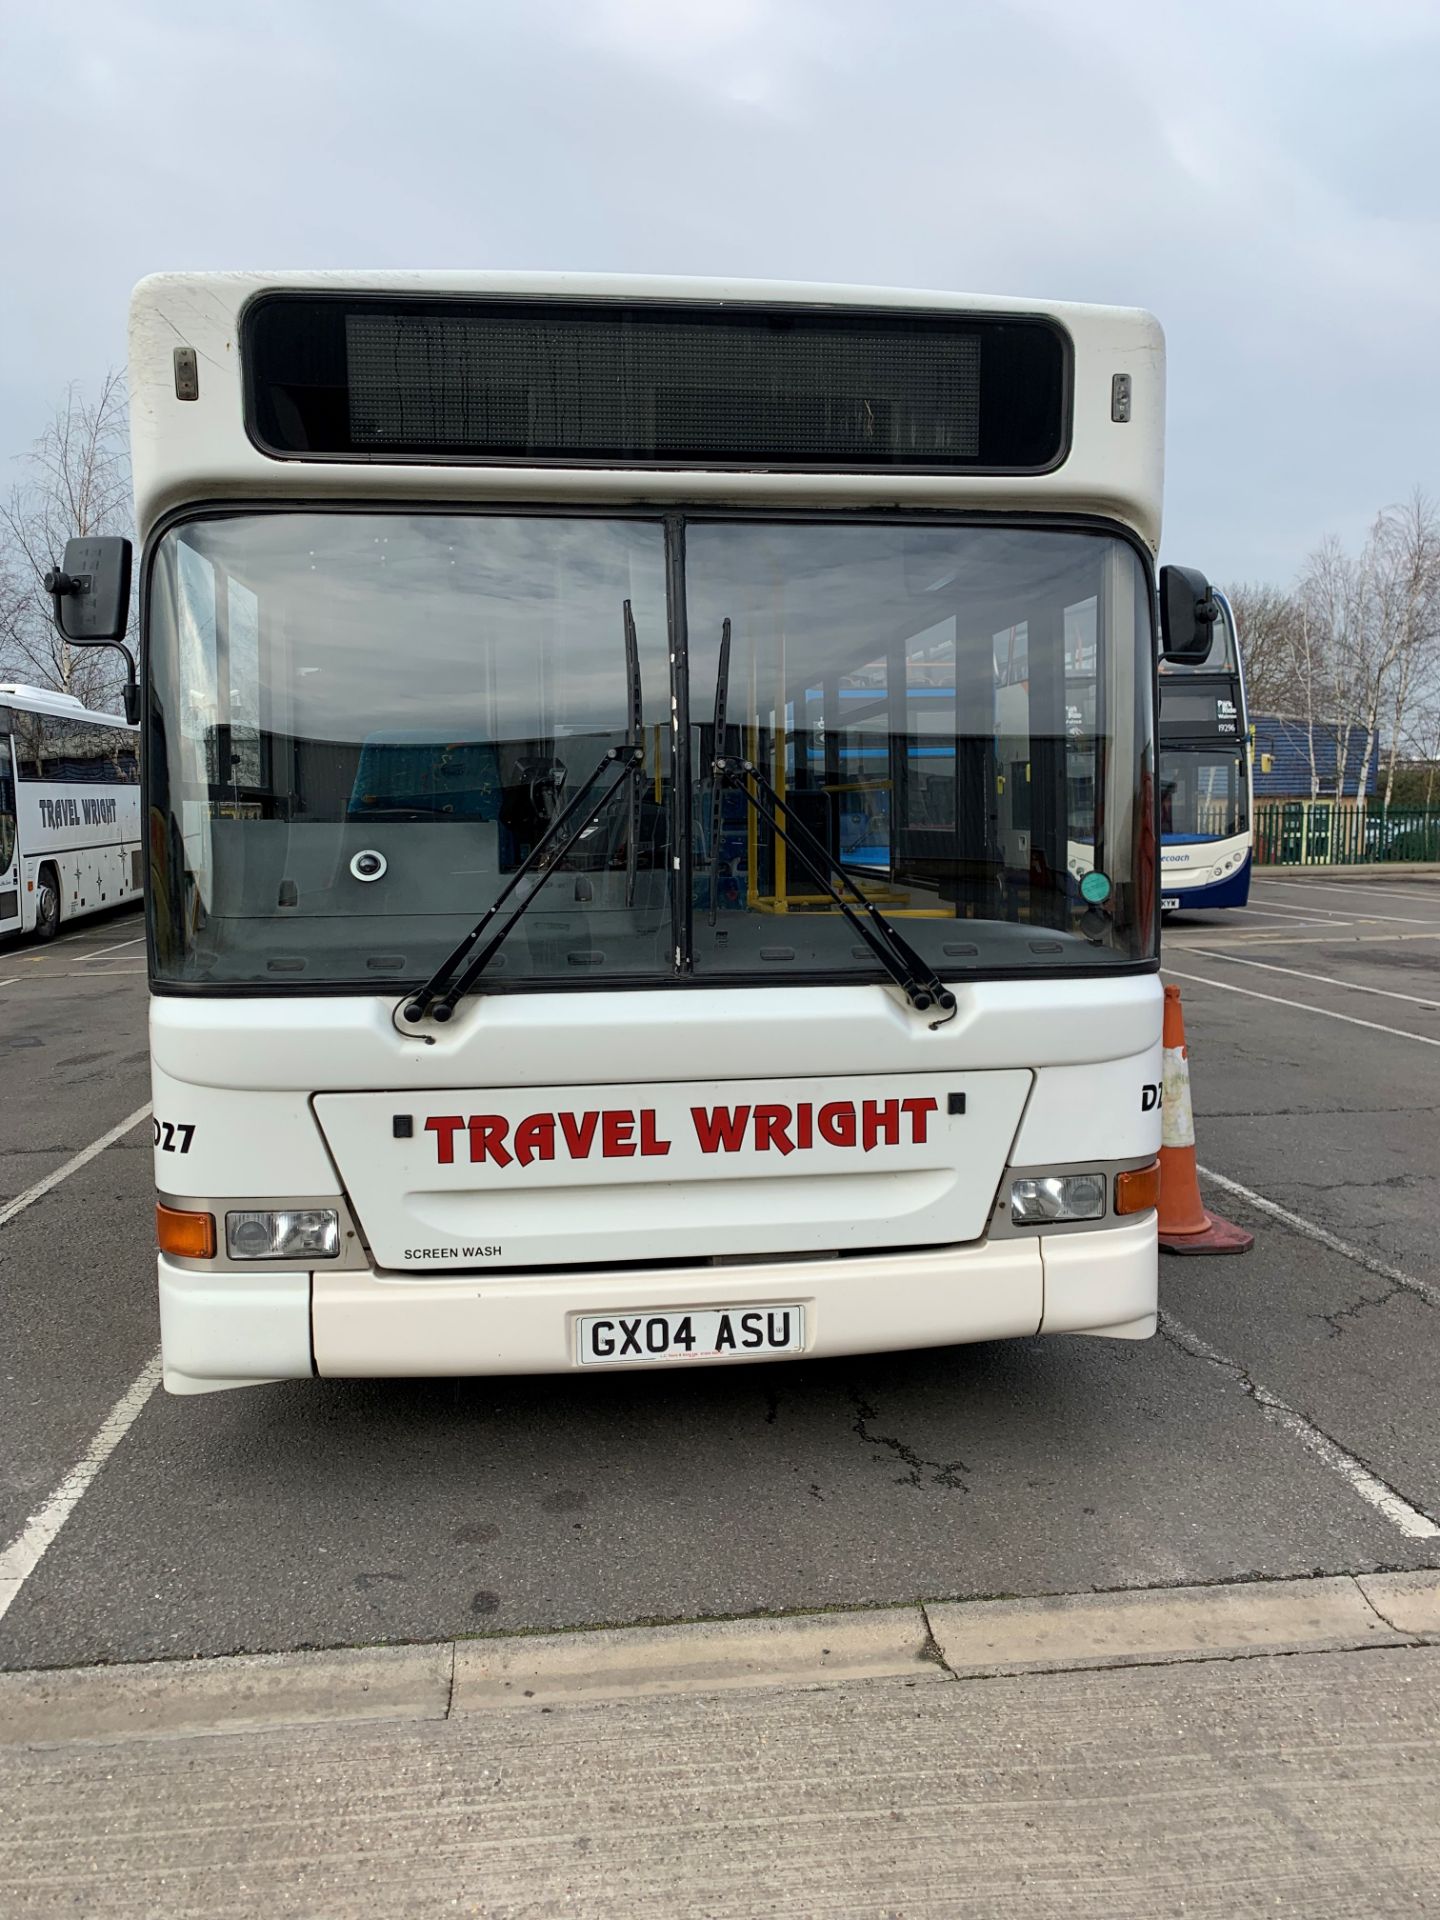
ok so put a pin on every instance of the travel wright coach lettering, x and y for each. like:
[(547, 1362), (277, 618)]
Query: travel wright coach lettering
[(78, 813), (618, 1133)]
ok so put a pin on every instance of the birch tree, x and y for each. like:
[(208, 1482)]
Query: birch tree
[(1333, 598), (1408, 552), (1268, 620), (74, 482)]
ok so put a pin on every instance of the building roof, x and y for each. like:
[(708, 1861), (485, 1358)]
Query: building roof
[(1287, 741)]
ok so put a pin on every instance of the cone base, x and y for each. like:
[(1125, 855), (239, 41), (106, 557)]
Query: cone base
[(1216, 1236)]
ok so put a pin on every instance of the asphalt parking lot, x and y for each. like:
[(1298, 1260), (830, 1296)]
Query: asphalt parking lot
[(1284, 1423)]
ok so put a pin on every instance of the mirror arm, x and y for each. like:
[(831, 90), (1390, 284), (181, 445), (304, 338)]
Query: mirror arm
[(57, 585)]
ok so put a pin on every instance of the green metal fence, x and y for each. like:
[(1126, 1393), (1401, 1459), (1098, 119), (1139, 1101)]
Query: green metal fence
[(1310, 833)]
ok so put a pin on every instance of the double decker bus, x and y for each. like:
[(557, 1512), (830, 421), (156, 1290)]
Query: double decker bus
[(1206, 777), (523, 657), (69, 810)]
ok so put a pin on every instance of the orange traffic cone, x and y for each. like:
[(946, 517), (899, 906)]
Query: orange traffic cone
[(1185, 1226)]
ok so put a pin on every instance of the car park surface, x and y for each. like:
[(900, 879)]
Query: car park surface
[(331, 1513)]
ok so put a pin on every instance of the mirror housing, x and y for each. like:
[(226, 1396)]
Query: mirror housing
[(1188, 613), (91, 592), (90, 597)]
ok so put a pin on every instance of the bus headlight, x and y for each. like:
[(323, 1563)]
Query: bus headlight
[(283, 1234), (1036, 1201)]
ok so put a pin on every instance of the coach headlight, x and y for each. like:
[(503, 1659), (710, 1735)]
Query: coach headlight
[(1036, 1200), (283, 1233)]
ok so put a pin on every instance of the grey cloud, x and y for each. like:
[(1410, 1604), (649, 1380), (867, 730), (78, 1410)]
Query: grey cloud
[(1262, 177)]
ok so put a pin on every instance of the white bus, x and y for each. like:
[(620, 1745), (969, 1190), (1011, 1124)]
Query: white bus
[(515, 1008), (69, 810)]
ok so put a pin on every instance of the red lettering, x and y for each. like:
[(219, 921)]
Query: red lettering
[(836, 1123), (616, 1127), (725, 1127), (445, 1126), (770, 1129), (804, 1125), (880, 1118), (487, 1138), (578, 1133), (535, 1138), (649, 1143), (919, 1112)]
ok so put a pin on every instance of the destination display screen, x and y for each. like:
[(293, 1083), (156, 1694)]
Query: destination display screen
[(612, 383), (1199, 712)]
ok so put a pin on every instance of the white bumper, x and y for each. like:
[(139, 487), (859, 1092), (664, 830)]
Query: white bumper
[(225, 1329)]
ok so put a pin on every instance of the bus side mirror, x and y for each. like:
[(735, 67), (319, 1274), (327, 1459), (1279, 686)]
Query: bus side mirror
[(91, 592), (1188, 612), (90, 595)]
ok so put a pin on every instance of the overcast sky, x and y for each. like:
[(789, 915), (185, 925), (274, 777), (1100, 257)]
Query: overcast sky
[(1265, 177)]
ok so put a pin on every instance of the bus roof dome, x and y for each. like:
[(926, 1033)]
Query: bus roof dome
[(18, 691)]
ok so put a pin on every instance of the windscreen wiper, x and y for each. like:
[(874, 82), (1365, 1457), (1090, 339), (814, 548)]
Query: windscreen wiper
[(459, 970), (634, 738), (914, 976), (717, 791)]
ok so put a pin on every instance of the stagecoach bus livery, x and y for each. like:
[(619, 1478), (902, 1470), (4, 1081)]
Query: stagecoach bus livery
[(69, 810), (1206, 776), (611, 771)]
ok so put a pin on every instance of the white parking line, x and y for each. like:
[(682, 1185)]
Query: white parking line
[(1357, 913), (11, 981), (60, 940), (1300, 1006), (1410, 1521), (1345, 915), (73, 1165), (1312, 1230), (117, 946), (27, 1549), (1389, 891), (1270, 913), (1432, 1001)]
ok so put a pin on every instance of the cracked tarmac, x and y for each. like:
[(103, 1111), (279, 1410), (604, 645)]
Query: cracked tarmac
[(334, 1513)]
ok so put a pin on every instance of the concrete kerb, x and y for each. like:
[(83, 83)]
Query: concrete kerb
[(1388, 870), (927, 1645), (1153, 1626), (1410, 1602), (236, 1694), (625, 1662)]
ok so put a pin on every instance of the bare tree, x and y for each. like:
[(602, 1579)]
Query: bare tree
[(1333, 596), (1408, 550), (1268, 620), (75, 482), (1371, 640), (1423, 739)]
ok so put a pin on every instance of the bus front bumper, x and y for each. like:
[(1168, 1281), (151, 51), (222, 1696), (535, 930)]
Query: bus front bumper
[(1189, 895), (227, 1329)]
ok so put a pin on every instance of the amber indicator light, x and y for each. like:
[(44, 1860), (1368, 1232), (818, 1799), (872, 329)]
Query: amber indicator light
[(189, 1235), (1138, 1190)]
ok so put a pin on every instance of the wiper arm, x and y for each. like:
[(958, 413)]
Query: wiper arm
[(717, 796), (447, 985), (915, 977), (634, 738), (441, 991)]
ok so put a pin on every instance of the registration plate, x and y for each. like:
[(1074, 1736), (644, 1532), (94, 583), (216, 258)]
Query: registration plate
[(1169, 902), (702, 1333)]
